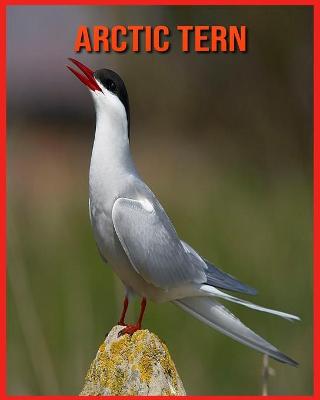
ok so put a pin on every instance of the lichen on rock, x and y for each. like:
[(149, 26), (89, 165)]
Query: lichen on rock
[(132, 365)]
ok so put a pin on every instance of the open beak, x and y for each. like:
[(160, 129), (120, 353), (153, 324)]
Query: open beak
[(87, 78)]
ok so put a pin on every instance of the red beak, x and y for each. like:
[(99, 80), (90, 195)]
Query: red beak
[(87, 78)]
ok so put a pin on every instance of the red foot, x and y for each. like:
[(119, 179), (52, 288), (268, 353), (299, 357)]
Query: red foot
[(129, 329), (122, 323)]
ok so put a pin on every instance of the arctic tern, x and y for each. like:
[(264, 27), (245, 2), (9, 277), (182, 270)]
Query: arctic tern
[(136, 237)]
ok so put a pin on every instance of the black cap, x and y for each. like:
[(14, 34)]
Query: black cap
[(113, 83)]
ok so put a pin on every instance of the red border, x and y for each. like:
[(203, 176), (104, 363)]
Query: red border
[(316, 6), (3, 350), (165, 2)]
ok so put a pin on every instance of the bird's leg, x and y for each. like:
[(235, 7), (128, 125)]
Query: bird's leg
[(142, 310), (124, 311), (130, 329)]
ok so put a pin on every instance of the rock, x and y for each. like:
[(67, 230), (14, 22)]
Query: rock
[(132, 365)]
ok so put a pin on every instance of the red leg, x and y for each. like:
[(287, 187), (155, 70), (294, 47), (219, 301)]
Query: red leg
[(124, 311), (130, 329), (143, 306)]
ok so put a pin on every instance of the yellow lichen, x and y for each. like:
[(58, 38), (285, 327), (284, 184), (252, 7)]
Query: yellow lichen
[(169, 367), (115, 375), (117, 363)]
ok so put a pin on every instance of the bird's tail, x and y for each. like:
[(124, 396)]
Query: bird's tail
[(212, 291), (214, 314)]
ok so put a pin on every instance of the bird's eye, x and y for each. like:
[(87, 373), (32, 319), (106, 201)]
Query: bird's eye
[(110, 85)]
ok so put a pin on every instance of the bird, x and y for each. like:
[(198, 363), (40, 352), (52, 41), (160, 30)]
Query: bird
[(135, 236)]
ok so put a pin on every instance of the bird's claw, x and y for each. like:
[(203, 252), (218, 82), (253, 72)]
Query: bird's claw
[(129, 329)]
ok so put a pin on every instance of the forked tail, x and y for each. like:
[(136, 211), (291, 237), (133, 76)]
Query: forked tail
[(214, 314), (213, 291)]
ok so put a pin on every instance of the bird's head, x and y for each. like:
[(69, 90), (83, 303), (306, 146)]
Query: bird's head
[(107, 88)]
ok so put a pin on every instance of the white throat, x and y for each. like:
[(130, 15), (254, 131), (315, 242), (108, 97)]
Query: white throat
[(111, 158)]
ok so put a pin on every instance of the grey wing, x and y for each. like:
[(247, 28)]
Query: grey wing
[(216, 277), (152, 245)]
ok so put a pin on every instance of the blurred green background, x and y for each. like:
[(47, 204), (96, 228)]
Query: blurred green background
[(225, 142)]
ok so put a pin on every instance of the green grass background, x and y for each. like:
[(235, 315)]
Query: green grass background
[(62, 299)]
